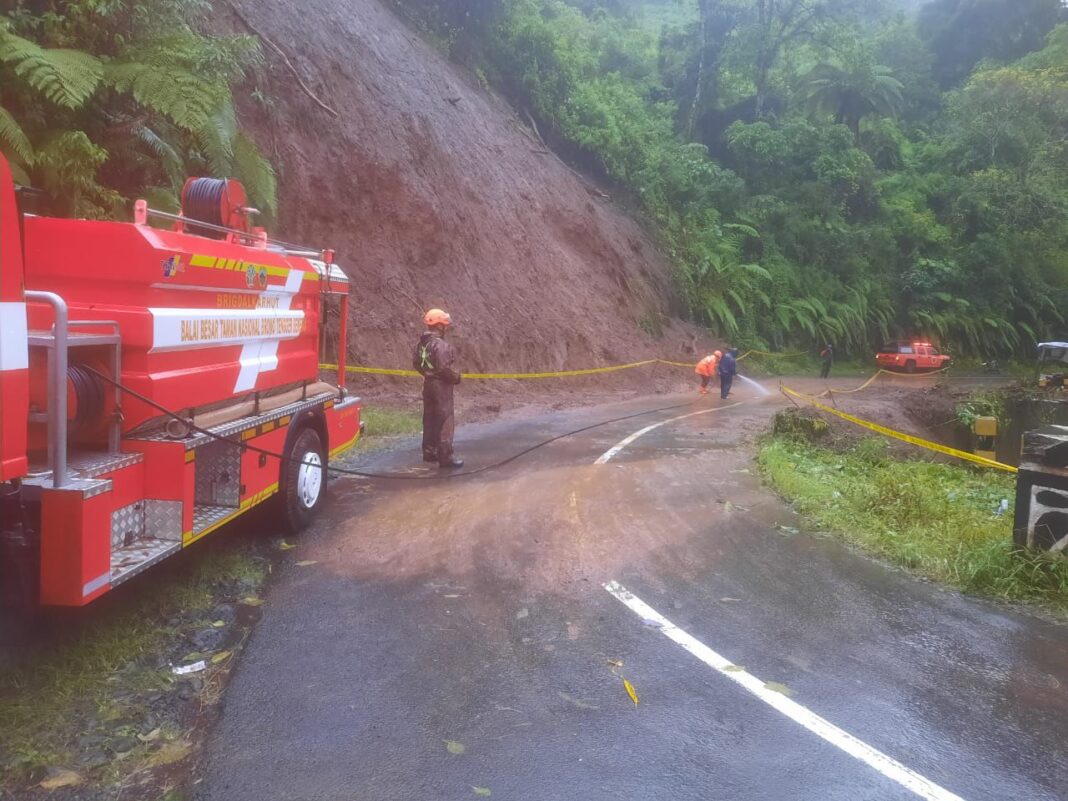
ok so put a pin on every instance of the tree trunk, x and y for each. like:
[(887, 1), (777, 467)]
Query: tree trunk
[(700, 70)]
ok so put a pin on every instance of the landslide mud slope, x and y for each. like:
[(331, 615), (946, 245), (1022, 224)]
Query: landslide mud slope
[(433, 193)]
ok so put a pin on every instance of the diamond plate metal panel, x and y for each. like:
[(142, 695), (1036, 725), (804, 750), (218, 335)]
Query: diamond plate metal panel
[(128, 562), (163, 520), (127, 525), (218, 475), (206, 516)]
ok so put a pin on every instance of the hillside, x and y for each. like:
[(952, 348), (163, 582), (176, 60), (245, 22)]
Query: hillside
[(433, 193)]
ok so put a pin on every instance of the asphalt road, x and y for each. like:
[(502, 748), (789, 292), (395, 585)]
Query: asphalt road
[(454, 640)]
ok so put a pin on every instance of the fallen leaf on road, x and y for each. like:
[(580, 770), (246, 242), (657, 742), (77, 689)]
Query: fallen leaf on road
[(616, 662), (730, 600), (285, 546), (451, 595), (735, 668), (171, 753), (222, 656), (777, 687), (61, 777), (252, 600), (631, 691), (579, 703), (218, 624), (483, 792), (522, 613), (454, 747), (306, 562), (654, 624)]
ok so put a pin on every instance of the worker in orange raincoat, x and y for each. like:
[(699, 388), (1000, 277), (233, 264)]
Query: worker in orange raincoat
[(435, 359), (706, 368)]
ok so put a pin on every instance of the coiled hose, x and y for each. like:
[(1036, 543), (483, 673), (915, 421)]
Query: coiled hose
[(202, 201)]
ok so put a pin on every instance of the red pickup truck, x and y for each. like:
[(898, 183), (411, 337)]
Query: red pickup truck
[(910, 357)]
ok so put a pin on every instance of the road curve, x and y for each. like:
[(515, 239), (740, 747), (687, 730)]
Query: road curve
[(455, 640)]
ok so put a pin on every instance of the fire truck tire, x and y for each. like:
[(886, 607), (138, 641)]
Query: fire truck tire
[(303, 480)]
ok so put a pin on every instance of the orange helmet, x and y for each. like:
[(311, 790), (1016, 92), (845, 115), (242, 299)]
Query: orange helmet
[(437, 317), (718, 354)]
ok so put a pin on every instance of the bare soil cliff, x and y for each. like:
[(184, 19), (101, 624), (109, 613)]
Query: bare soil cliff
[(433, 193)]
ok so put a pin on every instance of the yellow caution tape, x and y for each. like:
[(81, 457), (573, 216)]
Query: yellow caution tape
[(829, 392), (889, 432), (520, 376), (691, 365), (490, 376)]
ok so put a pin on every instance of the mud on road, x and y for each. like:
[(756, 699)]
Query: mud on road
[(453, 639)]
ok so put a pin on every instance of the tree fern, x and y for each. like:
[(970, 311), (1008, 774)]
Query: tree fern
[(67, 78)]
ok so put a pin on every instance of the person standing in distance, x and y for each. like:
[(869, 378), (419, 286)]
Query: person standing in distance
[(728, 367), (827, 356), (435, 360)]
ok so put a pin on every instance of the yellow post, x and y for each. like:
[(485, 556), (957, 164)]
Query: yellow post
[(986, 434)]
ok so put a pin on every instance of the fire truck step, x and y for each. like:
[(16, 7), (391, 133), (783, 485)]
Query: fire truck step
[(129, 561), (206, 517)]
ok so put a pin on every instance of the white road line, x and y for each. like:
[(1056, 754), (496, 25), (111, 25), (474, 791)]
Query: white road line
[(886, 765), (608, 454)]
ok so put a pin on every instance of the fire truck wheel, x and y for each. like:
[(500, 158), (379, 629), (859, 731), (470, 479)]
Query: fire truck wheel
[(305, 480)]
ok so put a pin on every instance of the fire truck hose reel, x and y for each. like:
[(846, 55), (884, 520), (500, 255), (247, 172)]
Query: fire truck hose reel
[(88, 397)]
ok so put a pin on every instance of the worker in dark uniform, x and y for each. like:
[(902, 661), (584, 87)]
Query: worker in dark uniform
[(827, 356), (434, 359), (728, 367)]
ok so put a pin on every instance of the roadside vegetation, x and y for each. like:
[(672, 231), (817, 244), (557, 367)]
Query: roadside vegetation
[(941, 521), (385, 422), (842, 170), (95, 703), (102, 102)]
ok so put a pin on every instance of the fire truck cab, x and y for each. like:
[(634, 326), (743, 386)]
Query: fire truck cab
[(156, 383)]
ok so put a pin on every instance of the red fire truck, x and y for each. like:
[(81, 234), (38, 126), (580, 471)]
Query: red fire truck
[(155, 384)]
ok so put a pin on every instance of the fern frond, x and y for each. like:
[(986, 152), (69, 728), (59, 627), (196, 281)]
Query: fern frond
[(13, 140), (183, 98), (168, 156), (257, 174), (67, 78), (216, 140)]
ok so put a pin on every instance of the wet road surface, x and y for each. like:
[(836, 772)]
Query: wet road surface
[(455, 640)]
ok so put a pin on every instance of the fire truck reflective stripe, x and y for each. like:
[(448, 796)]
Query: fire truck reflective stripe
[(190, 456), (186, 329), (262, 356), (100, 581), (14, 343)]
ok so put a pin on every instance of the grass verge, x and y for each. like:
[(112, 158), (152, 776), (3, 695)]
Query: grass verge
[(95, 706), (383, 422), (937, 520)]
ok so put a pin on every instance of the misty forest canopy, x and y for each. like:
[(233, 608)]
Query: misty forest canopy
[(842, 170)]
